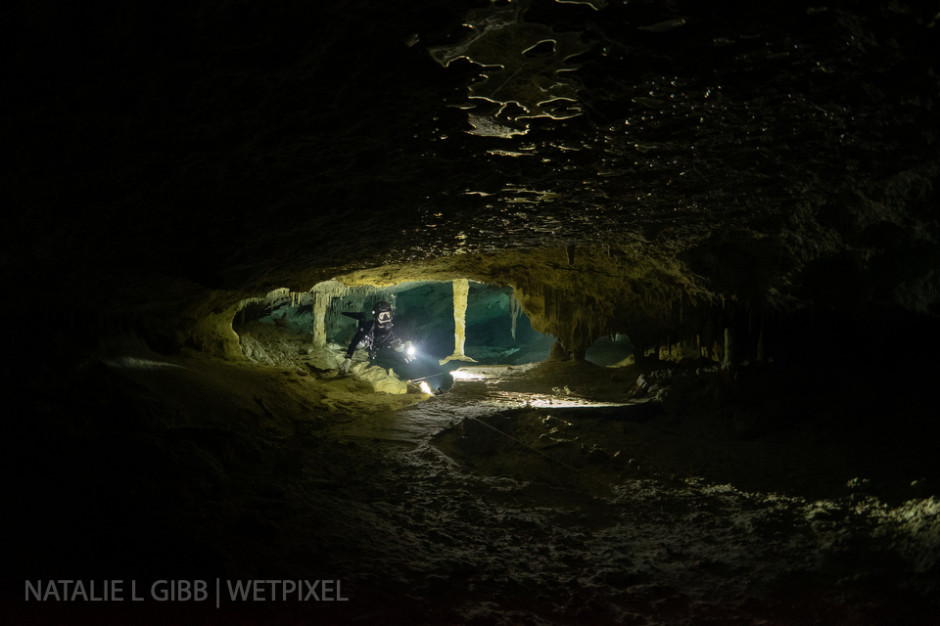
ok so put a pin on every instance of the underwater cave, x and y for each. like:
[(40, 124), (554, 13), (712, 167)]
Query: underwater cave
[(669, 271), (447, 322)]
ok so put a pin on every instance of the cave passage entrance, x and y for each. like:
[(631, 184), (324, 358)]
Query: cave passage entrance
[(496, 330)]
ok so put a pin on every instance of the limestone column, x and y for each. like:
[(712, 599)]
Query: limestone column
[(461, 289), (320, 303)]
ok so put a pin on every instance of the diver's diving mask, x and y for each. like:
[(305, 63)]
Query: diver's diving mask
[(384, 317)]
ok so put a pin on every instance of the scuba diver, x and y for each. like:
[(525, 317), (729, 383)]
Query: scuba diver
[(376, 335)]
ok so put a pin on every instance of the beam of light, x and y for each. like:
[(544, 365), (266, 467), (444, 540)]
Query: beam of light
[(461, 374), (561, 398), (426, 388), (492, 374), (541, 400), (130, 362)]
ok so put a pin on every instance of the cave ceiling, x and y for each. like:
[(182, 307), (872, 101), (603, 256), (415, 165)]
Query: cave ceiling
[(182, 157)]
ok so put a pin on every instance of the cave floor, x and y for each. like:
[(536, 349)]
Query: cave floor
[(556, 494)]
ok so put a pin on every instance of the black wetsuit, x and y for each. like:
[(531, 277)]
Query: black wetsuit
[(374, 337)]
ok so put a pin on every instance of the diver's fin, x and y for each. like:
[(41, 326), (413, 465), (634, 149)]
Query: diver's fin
[(355, 316)]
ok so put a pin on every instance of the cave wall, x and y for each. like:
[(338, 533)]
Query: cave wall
[(577, 294), (728, 173)]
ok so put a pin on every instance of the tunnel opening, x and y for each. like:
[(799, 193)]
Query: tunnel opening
[(610, 351), (286, 327)]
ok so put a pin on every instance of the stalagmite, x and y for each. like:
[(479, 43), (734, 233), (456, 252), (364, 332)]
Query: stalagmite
[(727, 358), (461, 289)]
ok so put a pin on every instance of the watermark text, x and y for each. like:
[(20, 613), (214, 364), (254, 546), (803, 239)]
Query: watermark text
[(217, 591)]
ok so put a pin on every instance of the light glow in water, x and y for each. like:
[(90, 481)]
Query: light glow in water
[(461, 374), (516, 399)]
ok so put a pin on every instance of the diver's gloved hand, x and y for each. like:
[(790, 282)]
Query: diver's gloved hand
[(345, 365), (410, 352)]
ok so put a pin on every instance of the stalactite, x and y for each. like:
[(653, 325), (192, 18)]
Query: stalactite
[(515, 309), (326, 295)]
